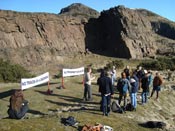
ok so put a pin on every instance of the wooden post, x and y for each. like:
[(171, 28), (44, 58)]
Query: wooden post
[(62, 83), (48, 90), (83, 81)]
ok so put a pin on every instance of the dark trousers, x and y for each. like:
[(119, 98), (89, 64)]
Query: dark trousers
[(87, 92), (106, 100), (120, 99)]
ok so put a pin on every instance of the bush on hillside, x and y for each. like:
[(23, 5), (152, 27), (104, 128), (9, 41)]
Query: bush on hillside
[(117, 63), (12, 73), (159, 64)]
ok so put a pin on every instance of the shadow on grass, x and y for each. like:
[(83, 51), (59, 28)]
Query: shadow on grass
[(6, 93), (62, 103), (153, 124), (34, 112), (74, 107), (46, 84)]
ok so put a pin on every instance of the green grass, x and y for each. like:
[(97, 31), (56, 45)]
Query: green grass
[(46, 111), (45, 115)]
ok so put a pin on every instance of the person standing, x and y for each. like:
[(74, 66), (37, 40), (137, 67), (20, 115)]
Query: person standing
[(145, 87), (127, 72), (87, 85), (123, 87), (134, 89), (106, 89), (150, 77), (140, 75), (157, 82), (113, 76)]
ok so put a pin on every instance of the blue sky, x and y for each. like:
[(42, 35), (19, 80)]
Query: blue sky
[(165, 8)]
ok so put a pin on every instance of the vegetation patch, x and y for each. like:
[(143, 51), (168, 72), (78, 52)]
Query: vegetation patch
[(159, 64), (12, 72)]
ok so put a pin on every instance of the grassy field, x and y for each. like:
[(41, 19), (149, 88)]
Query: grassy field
[(46, 111)]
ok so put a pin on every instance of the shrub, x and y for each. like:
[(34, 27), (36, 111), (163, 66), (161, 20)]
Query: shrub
[(117, 63), (12, 73), (159, 64)]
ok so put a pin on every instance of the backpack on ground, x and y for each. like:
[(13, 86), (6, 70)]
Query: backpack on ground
[(69, 121), (155, 124), (115, 107), (130, 107)]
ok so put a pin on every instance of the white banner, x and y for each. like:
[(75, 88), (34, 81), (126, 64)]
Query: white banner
[(31, 82), (73, 72)]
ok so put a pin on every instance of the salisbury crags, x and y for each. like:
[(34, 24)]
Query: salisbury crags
[(32, 39)]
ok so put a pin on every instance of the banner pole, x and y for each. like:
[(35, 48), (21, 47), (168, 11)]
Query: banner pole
[(62, 83), (83, 81), (49, 91)]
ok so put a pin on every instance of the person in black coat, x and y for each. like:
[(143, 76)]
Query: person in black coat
[(145, 87), (106, 89)]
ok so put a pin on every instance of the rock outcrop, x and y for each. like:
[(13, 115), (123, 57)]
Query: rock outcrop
[(132, 33), (31, 39)]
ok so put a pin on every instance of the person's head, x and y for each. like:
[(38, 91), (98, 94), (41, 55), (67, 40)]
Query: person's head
[(123, 75), (149, 71), (140, 68), (89, 69), (132, 80), (157, 73), (127, 67), (102, 73)]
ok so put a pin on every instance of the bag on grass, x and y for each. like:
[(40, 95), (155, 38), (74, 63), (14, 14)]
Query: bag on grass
[(69, 121), (129, 107), (115, 107)]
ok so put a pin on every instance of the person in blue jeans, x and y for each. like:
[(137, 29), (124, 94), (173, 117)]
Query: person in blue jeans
[(133, 92), (145, 87), (106, 89)]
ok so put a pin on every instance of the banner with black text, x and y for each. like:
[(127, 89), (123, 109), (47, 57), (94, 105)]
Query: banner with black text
[(31, 82), (73, 72)]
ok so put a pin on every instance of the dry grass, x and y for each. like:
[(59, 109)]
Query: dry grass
[(46, 111)]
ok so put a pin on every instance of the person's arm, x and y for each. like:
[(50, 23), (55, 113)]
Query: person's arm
[(91, 77), (129, 86), (111, 87)]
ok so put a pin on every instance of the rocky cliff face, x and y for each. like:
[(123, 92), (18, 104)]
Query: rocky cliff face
[(128, 33), (32, 39)]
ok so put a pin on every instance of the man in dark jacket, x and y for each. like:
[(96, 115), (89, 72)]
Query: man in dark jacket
[(106, 89), (145, 87)]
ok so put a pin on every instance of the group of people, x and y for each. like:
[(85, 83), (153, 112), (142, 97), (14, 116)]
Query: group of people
[(127, 85)]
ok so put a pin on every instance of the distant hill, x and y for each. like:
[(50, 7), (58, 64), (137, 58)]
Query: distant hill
[(78, 9)]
